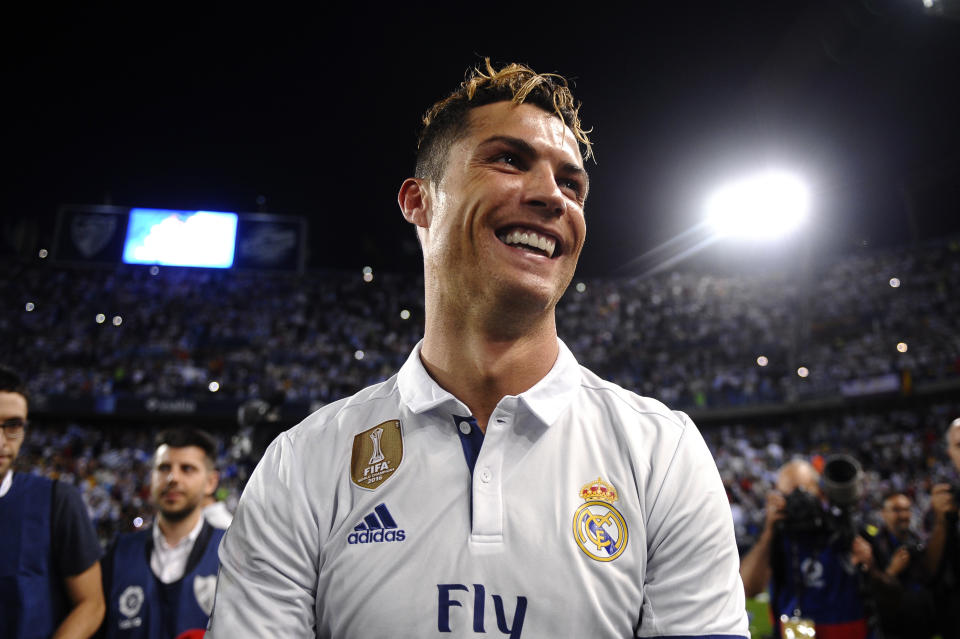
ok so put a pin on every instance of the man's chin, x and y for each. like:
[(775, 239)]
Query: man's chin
[(179, 514)]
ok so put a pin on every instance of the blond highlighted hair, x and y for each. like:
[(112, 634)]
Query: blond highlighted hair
[(448, 120)]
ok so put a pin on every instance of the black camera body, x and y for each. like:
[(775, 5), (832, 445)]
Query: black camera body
[(807, 518)]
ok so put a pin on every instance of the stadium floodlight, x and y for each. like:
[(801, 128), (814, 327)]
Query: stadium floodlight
[(764, 206)]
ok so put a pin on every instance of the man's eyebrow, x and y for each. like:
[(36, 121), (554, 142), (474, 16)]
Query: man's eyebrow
[(525, 148)]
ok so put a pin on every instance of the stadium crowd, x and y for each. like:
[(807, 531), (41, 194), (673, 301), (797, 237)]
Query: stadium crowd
[(693, 340), (900, 450), (690, 339)]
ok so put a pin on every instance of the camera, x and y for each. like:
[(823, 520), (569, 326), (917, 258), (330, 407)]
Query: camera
[(916, 550), (805, 516)]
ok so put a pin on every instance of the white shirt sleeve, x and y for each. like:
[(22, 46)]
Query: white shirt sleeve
[(693, 585), (268, 557)]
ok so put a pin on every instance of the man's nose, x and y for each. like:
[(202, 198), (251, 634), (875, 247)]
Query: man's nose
[(543, 192)]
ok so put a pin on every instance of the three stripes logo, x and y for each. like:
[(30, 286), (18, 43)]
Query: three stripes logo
[(377, 527)]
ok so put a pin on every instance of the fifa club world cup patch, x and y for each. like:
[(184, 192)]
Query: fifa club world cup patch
[(377, 453), (599, 528)]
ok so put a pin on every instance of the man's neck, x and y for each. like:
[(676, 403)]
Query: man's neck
[(480, 370), (174, 531)]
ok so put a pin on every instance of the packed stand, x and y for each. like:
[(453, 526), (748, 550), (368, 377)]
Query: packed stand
[(690, 339)]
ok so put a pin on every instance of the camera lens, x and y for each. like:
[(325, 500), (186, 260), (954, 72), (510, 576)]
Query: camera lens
[(841, 480)]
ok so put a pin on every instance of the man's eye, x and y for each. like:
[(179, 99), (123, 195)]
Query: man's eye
[(573, 185), (507, 158)]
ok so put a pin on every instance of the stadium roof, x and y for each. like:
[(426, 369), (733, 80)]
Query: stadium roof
[(210, 108)]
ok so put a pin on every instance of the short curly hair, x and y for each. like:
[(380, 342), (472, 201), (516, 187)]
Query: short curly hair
[(447, 121)]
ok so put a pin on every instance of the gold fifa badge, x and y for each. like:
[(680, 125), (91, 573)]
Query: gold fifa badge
[(377, 453), (599, 528)]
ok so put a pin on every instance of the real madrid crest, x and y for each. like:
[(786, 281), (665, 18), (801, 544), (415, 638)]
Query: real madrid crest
[(377, 453), (599, 528)]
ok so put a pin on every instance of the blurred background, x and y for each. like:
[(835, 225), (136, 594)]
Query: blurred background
[(839, 333)]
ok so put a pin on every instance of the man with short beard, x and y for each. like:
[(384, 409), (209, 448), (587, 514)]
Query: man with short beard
[(160, 582)]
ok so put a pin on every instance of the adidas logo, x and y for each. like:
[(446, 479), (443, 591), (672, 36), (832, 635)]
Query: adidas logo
[(377, 527)]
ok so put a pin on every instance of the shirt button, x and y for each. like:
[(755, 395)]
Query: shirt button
[(465, 428), (486, 475)]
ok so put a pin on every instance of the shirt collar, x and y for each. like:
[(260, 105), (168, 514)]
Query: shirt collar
[(546, 399), (6, 483), (160, 541)]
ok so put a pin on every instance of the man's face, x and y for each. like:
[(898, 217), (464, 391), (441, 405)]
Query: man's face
[(798, 475), (896, 514), (180, 480), (953, 443), (517, 172), (13, 411)]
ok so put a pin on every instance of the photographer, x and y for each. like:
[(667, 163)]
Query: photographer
[(905, 604), (942, 557), (810, 559)]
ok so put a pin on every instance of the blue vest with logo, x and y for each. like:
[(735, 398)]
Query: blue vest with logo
[(140, 606), (29, 592)]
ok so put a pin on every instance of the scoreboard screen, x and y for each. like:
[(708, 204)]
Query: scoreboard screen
[(104, 234), (180, 238)]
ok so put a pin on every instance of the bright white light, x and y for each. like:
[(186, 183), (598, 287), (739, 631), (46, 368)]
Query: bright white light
[(29, 306), (928, 4), (581, 287), (169, 237), (358, 355), (368, 277), (137, 522), (117, 320), (154, 270), (100, 318), (902, 347), (762, 361), (213, 386), (404, 314), (766, 206), (803, 371), (894, 282), (367, 269), (43, 254)]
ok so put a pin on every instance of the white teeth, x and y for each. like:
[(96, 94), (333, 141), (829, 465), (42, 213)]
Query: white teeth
[(531, 239)]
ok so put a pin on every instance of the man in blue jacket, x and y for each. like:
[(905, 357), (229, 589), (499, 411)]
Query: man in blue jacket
[(160, 582), (50, 555)]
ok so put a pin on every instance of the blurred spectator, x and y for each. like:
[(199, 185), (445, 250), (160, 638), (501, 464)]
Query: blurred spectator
[(943, 549), (906, 608), (160, 582), (49, 556)]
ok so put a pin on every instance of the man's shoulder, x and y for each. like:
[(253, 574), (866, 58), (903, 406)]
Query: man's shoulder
[(630, 403), (329, 420), (29, 481)]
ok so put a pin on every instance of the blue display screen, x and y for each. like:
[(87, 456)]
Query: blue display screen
[(180, 238)]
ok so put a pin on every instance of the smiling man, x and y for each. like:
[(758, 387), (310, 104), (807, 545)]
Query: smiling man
[(159, 582), (493, 486)]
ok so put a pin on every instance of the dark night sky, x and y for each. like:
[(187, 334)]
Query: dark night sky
[(318, 112)]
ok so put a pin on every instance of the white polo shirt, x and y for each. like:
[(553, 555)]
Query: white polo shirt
[(587, 511)]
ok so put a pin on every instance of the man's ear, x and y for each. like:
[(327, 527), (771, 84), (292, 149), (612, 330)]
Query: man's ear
[(414, 200), (213, 480)]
